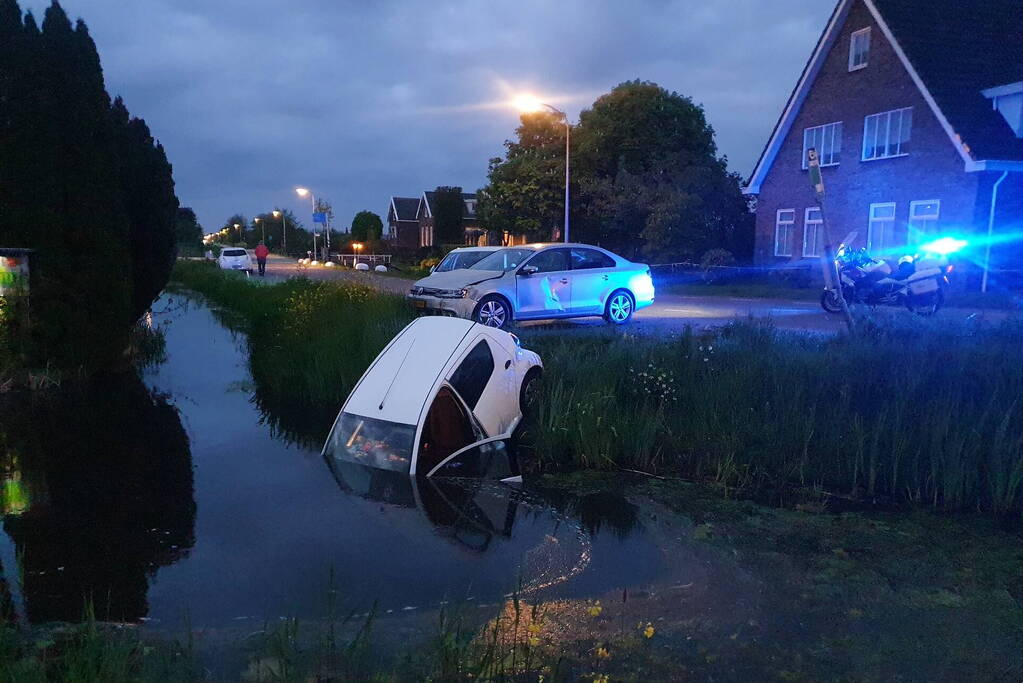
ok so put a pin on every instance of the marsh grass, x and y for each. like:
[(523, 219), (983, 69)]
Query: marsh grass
[(909, 410)]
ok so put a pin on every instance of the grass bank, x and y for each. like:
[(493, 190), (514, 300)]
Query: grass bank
[(910, 410)]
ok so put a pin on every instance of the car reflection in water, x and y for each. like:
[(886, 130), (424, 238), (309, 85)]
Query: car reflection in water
[(469, 512)]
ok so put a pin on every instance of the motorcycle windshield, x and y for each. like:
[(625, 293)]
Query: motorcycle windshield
[(850, 237)]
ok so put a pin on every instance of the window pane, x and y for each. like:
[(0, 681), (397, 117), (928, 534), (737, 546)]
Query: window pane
[(813, 214), (590, 258), (906, 132), (869, 133), (883, 211), (786, 215), (472, 375), (550, 261)]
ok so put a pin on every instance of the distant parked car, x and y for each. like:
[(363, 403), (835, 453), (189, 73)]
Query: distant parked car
[(234, 258), (440, 400), (463, 257), (538, 282)]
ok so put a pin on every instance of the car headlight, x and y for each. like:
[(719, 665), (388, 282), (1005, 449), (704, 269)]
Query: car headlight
[(452, 293)]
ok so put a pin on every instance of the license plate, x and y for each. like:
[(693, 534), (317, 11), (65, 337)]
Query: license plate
[(420, 303)]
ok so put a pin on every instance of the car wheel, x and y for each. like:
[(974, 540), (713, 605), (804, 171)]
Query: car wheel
[(530, 390), (493, 311), (619, 307)]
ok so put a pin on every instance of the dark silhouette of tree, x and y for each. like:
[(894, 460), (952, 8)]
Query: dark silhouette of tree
[(367, 226), (448, 210), (83, 184), (187, 230)]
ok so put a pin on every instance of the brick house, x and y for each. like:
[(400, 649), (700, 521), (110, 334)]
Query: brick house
[(410, 224), (914, 107)]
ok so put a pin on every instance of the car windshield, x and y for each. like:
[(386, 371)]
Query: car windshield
[(234, 252), (371, 442), (504, 260), (459, 259)]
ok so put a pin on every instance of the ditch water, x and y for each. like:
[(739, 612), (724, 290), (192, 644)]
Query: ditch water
[(169, 498)]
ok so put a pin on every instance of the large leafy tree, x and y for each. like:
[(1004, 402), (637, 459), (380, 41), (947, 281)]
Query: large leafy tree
[(651, 182), (83, 184), (646, 178), (526, 190), (367, 226), (448, 210)]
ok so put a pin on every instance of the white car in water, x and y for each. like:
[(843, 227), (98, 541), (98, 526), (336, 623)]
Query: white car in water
[(234, 258), (538, 282), (439, 400)]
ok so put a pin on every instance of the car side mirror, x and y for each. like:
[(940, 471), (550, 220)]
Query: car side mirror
[(529, 270)]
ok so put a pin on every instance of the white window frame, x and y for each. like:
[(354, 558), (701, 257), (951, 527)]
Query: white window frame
[(884, 118), (853, 66), (836, 149), (818, 233), (791, 225), (935, 217), (889, 226)]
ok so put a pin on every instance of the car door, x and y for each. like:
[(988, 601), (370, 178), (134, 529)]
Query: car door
[(593, 276), (486, 381), (547, 292)]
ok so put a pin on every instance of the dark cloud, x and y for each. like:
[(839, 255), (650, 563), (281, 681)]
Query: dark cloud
[(359, 100)]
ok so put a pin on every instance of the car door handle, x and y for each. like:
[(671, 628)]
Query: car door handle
[(604, 277), (564, 280)]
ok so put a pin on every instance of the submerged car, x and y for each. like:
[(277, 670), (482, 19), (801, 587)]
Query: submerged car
[(462, 257), (439, 400), (538, 282), (234, 258)]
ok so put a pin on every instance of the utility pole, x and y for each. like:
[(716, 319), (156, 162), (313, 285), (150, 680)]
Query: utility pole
[(832, 277)]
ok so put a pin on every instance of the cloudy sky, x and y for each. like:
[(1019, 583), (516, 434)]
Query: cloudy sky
[(359, 100)]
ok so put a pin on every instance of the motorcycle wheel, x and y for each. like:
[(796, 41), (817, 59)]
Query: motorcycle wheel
[(927, 304), (829, 301)]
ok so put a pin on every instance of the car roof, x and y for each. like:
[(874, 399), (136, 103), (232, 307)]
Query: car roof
[(398, 383), (476, 249)]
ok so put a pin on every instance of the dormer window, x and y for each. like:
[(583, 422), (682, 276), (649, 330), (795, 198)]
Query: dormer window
[(859, 49)]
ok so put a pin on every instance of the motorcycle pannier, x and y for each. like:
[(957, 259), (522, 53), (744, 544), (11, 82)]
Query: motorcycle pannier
[(923, 286)]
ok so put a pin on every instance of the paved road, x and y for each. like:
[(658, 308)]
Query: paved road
[(669, 312)]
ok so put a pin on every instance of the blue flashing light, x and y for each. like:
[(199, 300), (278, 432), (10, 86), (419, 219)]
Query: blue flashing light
[(944, 246)]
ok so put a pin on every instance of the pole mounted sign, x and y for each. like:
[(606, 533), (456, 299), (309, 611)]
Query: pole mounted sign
[(319, 217), (832, 277)]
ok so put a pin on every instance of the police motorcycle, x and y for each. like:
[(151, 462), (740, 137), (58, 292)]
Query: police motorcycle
[(917, 282)]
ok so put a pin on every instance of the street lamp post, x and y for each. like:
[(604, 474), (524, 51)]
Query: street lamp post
[(530, 104), (262, 225), (303, 192), (284, 230), (238, 227)]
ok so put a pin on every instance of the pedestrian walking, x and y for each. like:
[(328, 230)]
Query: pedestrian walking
[(261, 253)]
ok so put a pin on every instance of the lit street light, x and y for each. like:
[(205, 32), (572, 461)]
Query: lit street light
[(303, 192), (238, 227), (284, 230), (527, 104), (259, 222)]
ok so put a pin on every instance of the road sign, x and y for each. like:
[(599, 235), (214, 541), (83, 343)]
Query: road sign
[(319, 217)]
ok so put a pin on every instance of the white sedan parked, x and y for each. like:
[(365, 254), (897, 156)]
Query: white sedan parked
[(439, 400), (538, 282), (234, 258)]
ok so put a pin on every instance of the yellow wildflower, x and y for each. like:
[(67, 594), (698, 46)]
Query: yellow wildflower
[(533, 641), (595, 609), (602, 653), (600, 678), (534, 628), (648, 632)]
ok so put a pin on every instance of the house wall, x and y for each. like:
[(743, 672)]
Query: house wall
[(932, 170)]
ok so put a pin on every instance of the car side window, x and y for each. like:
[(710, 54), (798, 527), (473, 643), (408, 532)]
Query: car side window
[(590, 258), (471, 377), (550, 261)]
